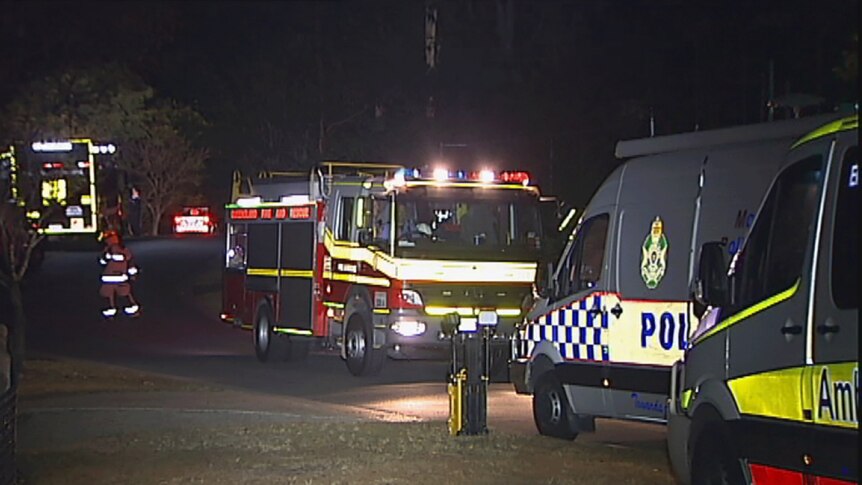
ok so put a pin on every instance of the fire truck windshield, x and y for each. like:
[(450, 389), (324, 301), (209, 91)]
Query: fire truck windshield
[(476, 223)]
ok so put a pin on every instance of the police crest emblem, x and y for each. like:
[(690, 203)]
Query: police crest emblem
[(654, 255)]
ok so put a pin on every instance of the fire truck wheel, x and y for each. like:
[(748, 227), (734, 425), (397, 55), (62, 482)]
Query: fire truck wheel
[(264, 337), (362, 358), (297, 349), (551, 410)]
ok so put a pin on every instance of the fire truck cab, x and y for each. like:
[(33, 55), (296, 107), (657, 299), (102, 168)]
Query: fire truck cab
[(374, 259)]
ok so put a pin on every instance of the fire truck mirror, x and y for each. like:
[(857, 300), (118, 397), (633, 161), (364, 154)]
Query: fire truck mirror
[(449, 324)]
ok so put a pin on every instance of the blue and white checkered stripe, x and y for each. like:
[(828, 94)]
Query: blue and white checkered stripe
[(577, 334)]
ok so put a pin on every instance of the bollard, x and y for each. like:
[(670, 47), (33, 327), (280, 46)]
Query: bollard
[(468, 385)]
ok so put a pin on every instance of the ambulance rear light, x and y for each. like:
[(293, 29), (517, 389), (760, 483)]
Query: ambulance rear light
[(52, 165)]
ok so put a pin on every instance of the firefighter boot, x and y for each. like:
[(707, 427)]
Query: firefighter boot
[(133, 310)]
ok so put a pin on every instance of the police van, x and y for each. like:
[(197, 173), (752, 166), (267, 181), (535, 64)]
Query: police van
[(615, 315), (768, 392)]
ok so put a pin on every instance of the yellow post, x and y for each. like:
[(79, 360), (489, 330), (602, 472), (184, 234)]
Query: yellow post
[(456, 403)]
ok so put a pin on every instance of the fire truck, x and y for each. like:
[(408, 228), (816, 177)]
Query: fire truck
[(69, 188), (376, 259)]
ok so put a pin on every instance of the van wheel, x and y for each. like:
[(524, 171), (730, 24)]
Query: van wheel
[(362, 358), (264, 337), (714, 461), (551, 410)]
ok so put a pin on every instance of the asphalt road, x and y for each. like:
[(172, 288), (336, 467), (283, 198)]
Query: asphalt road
[(179, 334)]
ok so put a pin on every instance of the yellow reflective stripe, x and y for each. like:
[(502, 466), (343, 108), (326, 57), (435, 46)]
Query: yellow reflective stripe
[(508, 312), (381, 311), (333, 304), (431, 270), (756, 308), (469, 311), (291, 331), (57, 230), (774, 394), (359, 279), (437, 311), (296, 273), (844, 124), (686, 398), (286, 273), (261, 272)]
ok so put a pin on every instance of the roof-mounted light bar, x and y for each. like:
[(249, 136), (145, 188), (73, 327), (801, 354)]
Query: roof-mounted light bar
[(51, 146), (441, 175)]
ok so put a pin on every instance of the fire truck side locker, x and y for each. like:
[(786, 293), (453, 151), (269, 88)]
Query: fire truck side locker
[(279, 274)]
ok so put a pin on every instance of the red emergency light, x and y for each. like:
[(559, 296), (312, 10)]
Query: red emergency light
[(52, 165), (518, 177)]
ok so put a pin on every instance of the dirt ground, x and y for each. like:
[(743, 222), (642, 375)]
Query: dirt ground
[(101, 444)]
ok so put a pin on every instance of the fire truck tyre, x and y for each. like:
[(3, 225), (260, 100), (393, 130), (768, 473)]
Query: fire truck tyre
[(714, 461), (264, 337), (551, 410), (297, 349), (362, 358)]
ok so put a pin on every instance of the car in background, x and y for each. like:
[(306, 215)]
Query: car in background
[(194, 220)]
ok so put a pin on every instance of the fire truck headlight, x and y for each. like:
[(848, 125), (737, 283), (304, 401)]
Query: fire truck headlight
[(411, 297), (408, 328), (488, 318)]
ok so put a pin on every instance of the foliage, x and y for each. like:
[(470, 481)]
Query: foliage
[(168, 167), (17, 242), (110, 103)]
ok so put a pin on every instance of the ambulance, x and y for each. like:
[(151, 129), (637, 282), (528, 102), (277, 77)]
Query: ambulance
[(768, 392), (615, 313), (376, 259)]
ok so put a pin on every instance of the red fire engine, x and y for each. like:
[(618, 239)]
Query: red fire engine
[(372, 259)]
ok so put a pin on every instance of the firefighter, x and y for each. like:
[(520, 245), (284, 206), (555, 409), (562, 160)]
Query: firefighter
[(119, 271)]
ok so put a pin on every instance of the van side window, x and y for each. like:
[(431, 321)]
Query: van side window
[(845, 235), (772, 259), (344, 224), (582, 268)]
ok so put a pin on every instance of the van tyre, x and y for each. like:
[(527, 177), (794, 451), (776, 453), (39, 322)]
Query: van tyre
[(551, 410), (362, 358), (714, 461)]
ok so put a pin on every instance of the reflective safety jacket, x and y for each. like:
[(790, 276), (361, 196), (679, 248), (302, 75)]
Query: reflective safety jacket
[(119, 265)]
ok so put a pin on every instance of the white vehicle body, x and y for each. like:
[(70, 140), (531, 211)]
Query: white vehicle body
[(616, 314)]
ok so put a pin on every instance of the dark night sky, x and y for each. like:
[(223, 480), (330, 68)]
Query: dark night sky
[(577, 77)]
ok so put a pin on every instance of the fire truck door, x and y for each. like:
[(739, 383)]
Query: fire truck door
[(296, 275)]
